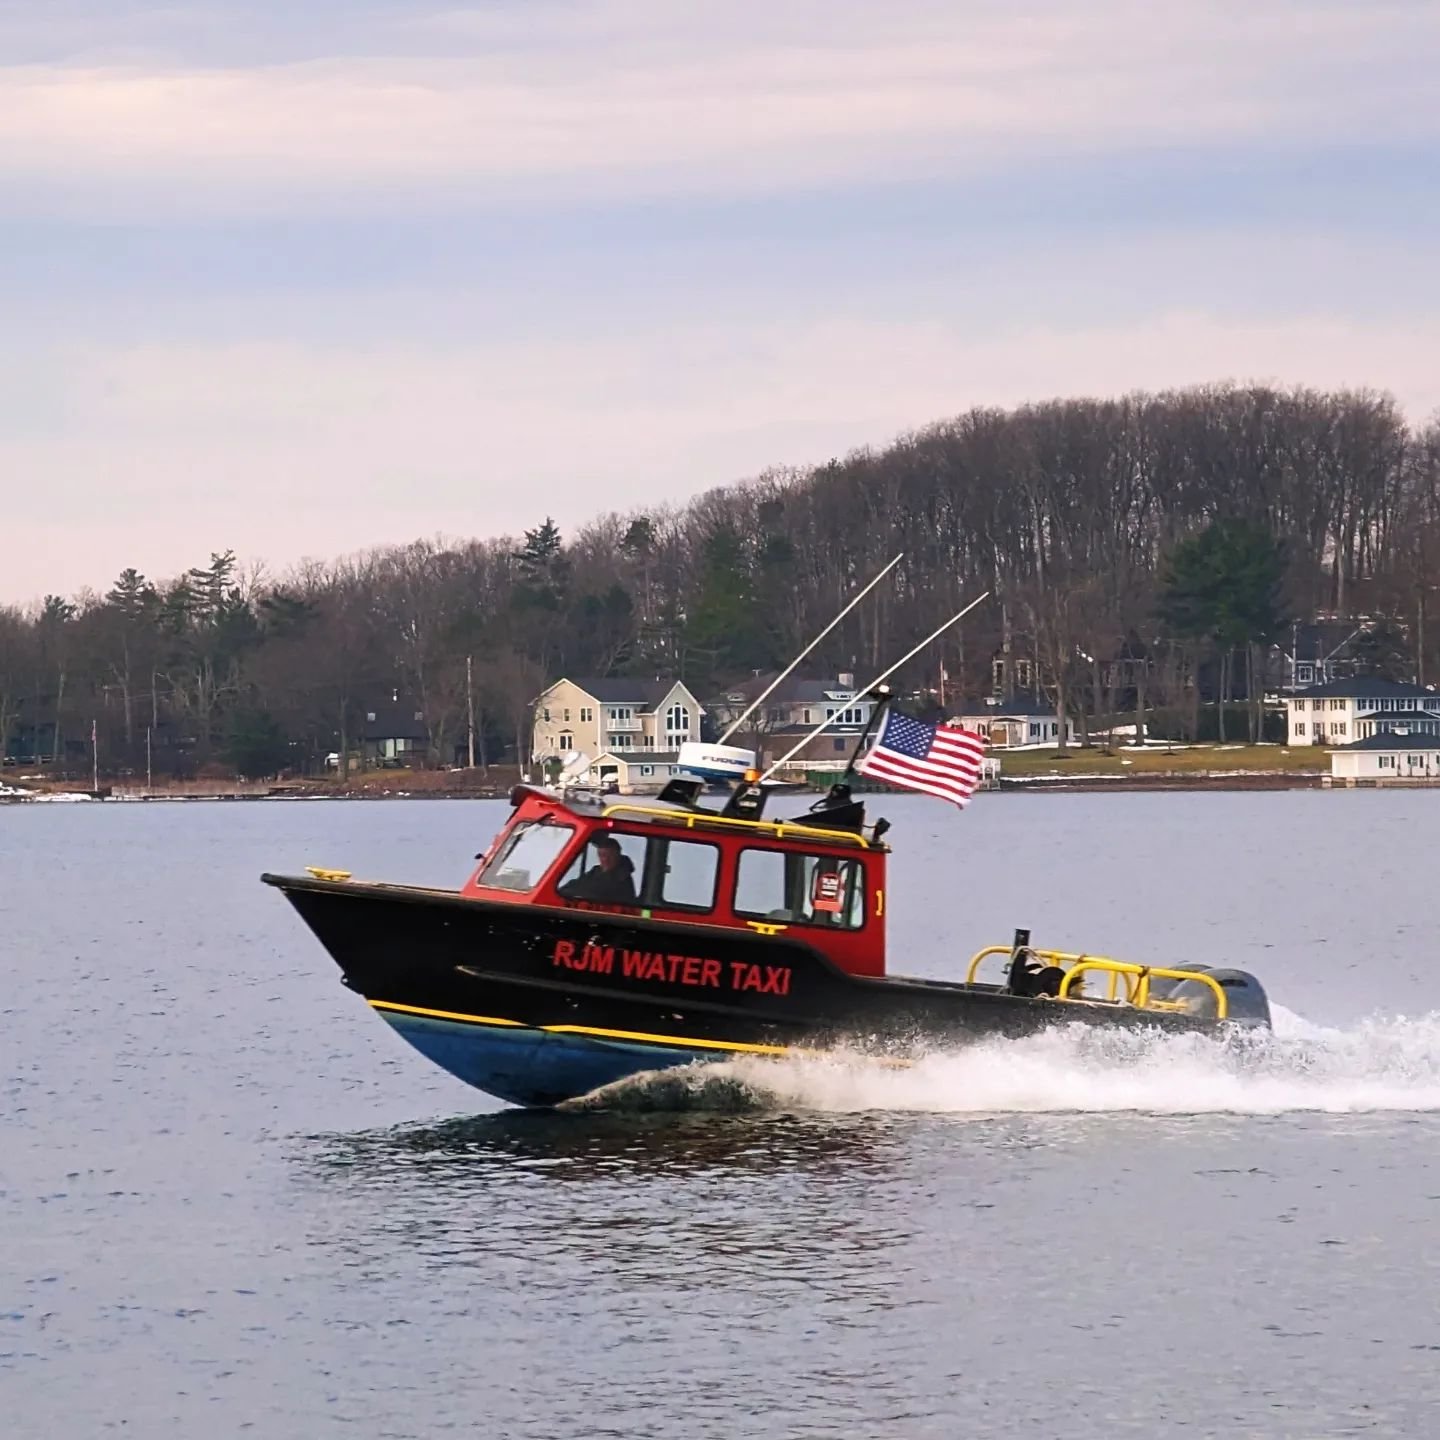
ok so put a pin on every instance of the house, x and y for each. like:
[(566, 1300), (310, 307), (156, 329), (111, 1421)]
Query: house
[(829, 750), (1343, 711), (795, 705), (632, 772), (1324, 649), (1387, 757), (1008, 724), (789, 716), (594, 717), (392, 729)]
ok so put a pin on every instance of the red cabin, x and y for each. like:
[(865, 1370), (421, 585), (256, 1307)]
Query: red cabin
[(688, 866)]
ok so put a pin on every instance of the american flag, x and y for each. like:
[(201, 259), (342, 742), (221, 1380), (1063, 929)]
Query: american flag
[(938, 759)]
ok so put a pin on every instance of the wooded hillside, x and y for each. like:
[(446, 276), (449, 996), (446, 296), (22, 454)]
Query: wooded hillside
[(1094, 522)]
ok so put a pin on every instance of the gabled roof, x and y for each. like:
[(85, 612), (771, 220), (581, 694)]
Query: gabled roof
[(1390, 740), (621, 690), (1316, 641), (793, 690), (1366, 687), (399, 719)]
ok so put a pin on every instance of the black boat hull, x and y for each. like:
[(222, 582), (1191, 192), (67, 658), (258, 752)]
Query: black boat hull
[(537, 1005)]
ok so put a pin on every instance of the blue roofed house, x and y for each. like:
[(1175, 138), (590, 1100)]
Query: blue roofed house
[(1386, 757), (1341, 712)]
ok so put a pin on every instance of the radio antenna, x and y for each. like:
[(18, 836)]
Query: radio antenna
[(769, 689), (865, 689)]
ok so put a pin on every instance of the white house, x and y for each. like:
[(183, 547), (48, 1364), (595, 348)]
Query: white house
[(633, 772), (1007, 724), (1387, 756), (796, 704), (1343, 711), (789, 715), (613, 715)]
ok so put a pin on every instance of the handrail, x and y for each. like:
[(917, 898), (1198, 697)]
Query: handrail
[(781, 829), (1137, 977), (1144, 974), (1055, 957)]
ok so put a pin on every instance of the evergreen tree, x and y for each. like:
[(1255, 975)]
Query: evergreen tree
[(255, 745), (1226, 586)]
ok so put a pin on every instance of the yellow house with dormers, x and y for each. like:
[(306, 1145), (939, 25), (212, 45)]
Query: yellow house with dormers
[(595, 717)]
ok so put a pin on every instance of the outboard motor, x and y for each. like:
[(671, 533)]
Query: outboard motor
[(1246, 1001)]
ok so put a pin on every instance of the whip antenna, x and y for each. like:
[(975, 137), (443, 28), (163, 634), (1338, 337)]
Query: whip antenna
[(762, 696), (830, 719)]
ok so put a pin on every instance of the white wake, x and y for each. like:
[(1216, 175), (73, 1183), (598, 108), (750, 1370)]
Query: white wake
[(1378, 1065)]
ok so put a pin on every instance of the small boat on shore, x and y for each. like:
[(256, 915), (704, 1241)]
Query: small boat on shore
[(601, 937)]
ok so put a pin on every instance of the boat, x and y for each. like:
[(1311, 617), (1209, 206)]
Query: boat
[(601, 936)]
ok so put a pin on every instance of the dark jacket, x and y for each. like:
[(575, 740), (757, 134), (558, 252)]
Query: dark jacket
[(605, 887)]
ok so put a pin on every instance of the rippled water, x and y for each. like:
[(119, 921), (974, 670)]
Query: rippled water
[(231, 1202)]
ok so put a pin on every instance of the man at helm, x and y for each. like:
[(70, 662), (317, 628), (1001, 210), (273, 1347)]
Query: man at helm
[(611, 881)]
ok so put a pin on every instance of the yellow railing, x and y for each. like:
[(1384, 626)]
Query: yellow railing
[(1053, 957), (1137, 978), (1143, 974), (780, 829)]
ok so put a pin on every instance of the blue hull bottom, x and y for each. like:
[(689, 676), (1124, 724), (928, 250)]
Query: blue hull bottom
[(532, 1067)]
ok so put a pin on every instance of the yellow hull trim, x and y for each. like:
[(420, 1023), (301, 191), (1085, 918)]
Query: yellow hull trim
[(736, 1047)]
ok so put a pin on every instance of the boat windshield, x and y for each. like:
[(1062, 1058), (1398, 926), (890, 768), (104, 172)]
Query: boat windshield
[(529, 851)]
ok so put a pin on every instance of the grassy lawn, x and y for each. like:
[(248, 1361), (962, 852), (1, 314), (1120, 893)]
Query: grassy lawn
[(1154, 760)]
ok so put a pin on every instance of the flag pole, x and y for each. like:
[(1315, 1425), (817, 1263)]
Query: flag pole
[(864, 689), (762, 696)]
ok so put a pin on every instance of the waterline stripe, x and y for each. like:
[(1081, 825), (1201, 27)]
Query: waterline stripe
[(677, 1041), (444, 1014)]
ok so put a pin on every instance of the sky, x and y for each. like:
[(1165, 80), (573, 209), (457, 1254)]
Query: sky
[(300, 280)]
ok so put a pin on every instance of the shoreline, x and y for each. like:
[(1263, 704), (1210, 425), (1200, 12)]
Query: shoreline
[(1157, 782)]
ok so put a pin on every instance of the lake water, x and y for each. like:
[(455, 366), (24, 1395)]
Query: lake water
[(232, 1203)]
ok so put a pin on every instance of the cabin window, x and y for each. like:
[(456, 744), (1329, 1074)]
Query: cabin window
[(530, 850), (800, 889), (685, 871), (668, 874), (632, 848)]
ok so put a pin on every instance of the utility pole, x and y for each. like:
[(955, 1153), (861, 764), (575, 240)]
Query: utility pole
[(94, 759), (470, 708), (149, 770)]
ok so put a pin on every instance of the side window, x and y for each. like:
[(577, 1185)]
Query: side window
[(588, 877), (673, 874), (800, 889), (687, 874)]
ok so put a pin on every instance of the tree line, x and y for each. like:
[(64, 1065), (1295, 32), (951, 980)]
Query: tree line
[(1140, 553)]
